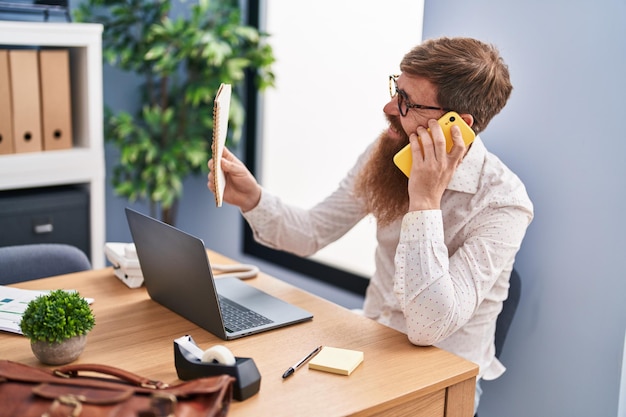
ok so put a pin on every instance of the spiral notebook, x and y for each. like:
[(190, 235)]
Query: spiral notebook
[(221, 107)]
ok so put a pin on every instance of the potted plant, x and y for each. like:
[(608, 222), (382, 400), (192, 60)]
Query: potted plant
[(181, 62), (57, 324)]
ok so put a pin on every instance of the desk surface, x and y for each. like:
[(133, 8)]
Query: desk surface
[(135, 333)]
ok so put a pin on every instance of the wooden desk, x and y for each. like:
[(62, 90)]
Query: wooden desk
[(396, 378)]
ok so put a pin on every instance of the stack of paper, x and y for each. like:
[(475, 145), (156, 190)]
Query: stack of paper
[(337, 361), (13, 303)]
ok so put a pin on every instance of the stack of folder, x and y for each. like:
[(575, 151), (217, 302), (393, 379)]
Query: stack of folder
[(35, 100)]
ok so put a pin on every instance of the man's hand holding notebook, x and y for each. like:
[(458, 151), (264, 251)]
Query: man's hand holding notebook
[(221, 107)]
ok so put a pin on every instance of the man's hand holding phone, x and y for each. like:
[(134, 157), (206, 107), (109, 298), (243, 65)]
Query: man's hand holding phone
[(432, 157), (403, 159)]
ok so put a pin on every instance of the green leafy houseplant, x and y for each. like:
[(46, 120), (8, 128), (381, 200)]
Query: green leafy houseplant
[(181, 61), (57, 324), (57, 316)]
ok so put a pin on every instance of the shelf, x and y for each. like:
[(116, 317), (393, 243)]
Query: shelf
[(38, 169), (52, 34), (84, 163)]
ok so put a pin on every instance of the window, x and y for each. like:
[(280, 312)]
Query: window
[(333, 63)]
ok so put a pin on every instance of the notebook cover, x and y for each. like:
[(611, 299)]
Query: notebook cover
[(221, 107), (336, 360)]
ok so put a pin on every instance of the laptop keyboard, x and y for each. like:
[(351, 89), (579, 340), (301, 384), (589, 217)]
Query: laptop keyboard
[(237, 317)]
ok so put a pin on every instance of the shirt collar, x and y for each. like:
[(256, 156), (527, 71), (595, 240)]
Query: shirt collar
[(467, 174)]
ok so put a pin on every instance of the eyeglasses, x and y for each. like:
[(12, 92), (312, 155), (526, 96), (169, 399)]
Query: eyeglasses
[(403, 100)]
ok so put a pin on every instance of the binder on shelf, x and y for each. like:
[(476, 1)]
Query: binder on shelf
[(56, 105), (24, 69), (6, 114)]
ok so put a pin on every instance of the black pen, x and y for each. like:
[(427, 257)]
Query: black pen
[(302, 361)]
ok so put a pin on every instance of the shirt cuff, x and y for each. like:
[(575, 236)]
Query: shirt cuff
[(422, 225), (263, 210)]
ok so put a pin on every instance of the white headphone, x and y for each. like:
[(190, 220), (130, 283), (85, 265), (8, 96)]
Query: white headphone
[(241, 271)]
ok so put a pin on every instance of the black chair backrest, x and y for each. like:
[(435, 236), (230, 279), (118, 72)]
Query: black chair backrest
[(509, 306), (27, 262), (508, 311)]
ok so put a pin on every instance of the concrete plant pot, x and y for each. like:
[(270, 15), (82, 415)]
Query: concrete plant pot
[(60, 353)]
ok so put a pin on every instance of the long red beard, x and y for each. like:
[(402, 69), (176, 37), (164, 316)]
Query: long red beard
[(380, 183)]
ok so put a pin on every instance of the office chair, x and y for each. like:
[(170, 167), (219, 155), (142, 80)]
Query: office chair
[(509, 306), (32, 261)]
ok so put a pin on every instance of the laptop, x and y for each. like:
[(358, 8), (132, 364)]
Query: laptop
[(177, 274)]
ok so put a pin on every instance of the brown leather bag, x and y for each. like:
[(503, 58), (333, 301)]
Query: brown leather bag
[(27, 391)]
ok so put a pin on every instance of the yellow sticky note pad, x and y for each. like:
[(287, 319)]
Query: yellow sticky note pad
[(336, 360)]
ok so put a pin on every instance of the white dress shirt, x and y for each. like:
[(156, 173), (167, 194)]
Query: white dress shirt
[(441, 275)]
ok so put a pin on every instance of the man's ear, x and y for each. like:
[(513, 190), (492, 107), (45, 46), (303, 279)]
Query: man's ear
[(468, 118)]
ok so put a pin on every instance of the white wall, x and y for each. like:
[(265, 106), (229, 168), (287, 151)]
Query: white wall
[(562, 132)]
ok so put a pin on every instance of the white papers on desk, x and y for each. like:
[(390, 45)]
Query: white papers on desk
[(13, 303)]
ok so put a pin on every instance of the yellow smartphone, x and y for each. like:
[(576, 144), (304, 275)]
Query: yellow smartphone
[(403, 159)]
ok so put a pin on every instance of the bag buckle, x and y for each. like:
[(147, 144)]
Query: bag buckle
[(74, 401), (163, 404)]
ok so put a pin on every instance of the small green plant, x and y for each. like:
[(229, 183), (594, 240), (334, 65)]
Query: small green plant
[(57, 316)]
